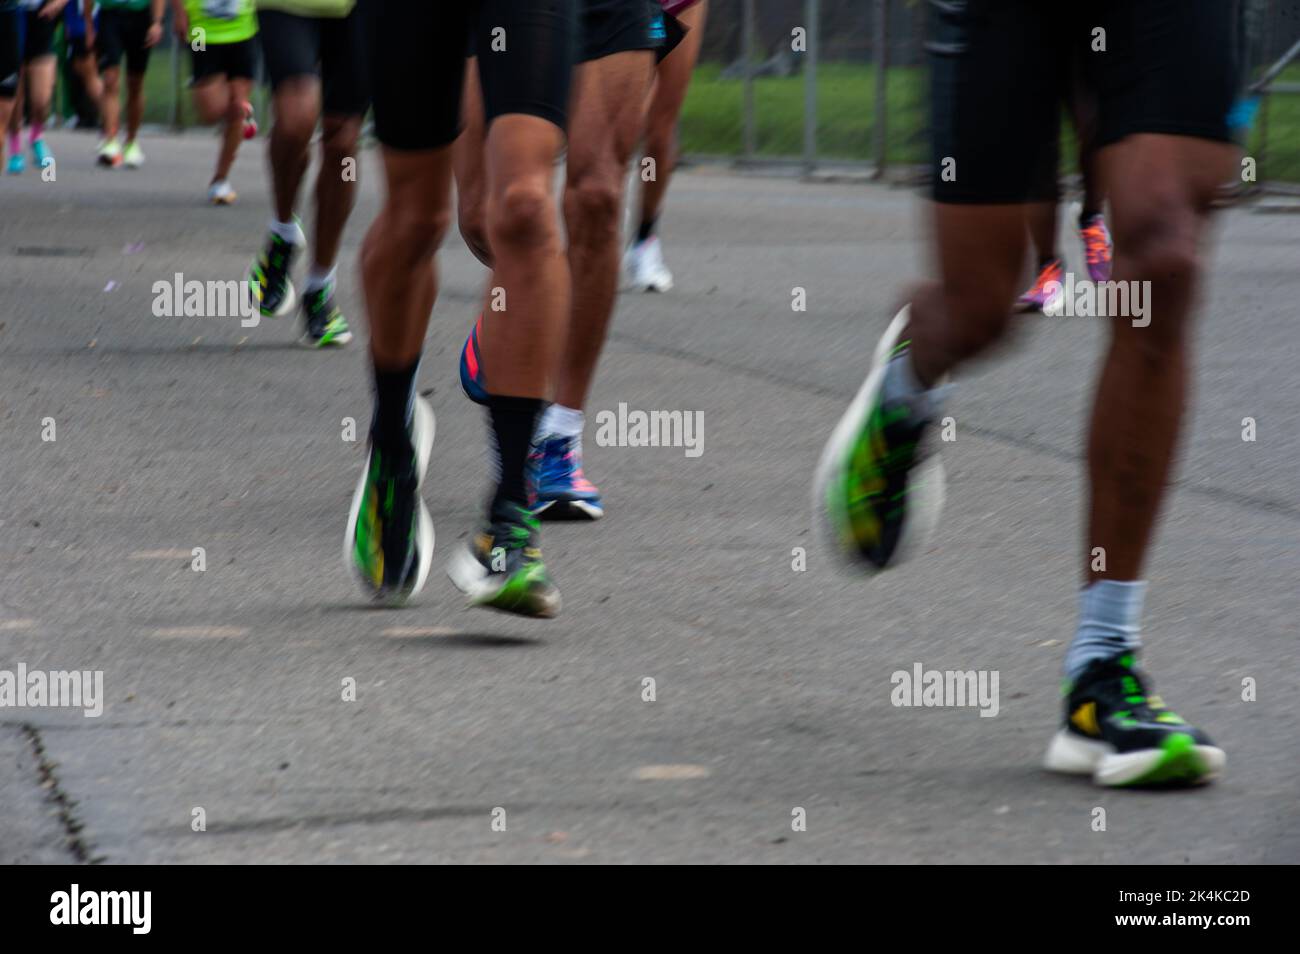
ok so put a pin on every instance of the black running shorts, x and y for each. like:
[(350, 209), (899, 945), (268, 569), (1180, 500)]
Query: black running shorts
[(10, 54), (38, 40), (617, 26), (231, 60), (526, 50), (331, 48), (1001, 70), (123, 32)]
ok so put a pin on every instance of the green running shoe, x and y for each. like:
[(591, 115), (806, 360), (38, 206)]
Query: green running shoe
[(501, 568), (389, 540), (878, 491), (1121, 736), (269, 277), (325, 326)]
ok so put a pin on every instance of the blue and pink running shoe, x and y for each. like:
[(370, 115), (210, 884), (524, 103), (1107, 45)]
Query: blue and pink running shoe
[(471, 367), (561, 491)]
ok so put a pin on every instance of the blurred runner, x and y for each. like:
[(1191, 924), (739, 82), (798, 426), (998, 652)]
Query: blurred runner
[(614, 74), (220, 35), (315, 58), (82, 58), (1164, 88), (525, 58), (130, 29), (1041, 212), (11, 61), (644, 268), (39, 18)]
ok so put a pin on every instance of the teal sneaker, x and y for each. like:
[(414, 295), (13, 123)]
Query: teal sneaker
[(16, 164), (41, 153), (502, 569)]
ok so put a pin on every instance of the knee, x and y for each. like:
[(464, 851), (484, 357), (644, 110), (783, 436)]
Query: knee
[(409, 231), (234, 112), (591, 209), (339, 140), (1160, 247), (472, 219), (522, 215)]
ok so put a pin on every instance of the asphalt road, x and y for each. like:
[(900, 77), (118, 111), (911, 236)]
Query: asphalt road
[(223, 688)]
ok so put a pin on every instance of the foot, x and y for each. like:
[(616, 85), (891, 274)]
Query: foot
[(325, 325), (471, 367), (1121, 736), (644, 268), (269, 277), (877, 488), (132, 155), (501, 567), (1098, 247), (250, 122), (563, 493), (220, 193), (1039, 296), (16, 164), (389, 540), (41, 153), (109, 154)]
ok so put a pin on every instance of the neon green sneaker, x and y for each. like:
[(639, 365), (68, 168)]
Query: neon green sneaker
[(325, 326), (133, 155), (878, 488), (502, 569), (1121, 736), (389, 540)]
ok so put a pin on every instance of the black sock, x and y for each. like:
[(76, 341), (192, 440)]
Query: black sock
[(646, 229), (1044, 262), (1085, 214), (394, 404), (514, 419)]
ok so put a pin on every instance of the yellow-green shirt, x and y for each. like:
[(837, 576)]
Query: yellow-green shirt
[(222, 21)]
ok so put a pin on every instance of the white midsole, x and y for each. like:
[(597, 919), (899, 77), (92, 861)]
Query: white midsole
[(1073, 755)]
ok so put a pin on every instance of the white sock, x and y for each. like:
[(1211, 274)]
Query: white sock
[(290, 231), (318, 278), (1110, 616), (561, 421)]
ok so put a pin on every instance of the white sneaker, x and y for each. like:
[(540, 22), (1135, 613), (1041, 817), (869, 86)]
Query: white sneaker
[(133, 155), (644, 268), (109, 153), (220, 193)]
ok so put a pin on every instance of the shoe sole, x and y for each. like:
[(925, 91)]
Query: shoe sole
[(925, 485), (469, 576), (1179, 762), (338, 341), (568, 510), (425, 430), (286, 303)]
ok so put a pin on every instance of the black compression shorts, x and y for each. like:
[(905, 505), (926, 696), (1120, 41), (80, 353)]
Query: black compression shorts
[(1001, 68), (123, 32), (331, 48), (38, 40), (526, 50), (231, 60), (10, 53)]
